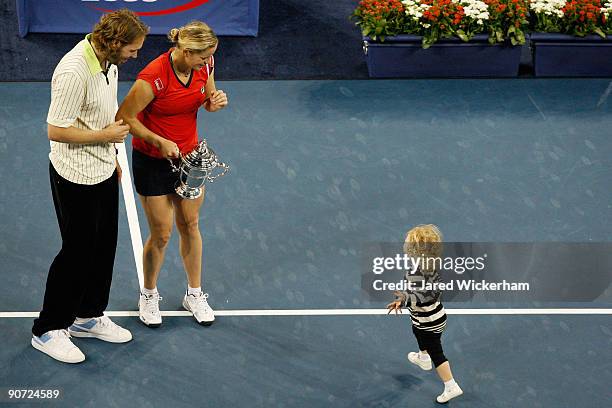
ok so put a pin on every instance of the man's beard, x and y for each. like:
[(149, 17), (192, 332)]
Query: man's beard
[(115, 58)]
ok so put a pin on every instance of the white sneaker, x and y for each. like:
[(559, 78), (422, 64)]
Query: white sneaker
[(101, 328), (57, 344), (198, 306), (414, 358), (148, 310), (448, 395)]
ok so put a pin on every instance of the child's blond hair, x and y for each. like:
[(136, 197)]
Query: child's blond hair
[(425, 241)]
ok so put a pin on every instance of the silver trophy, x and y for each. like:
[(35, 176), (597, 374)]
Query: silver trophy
[(195, 169)]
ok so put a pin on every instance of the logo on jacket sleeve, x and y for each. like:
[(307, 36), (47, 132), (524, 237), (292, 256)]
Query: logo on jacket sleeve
[(159, 85)]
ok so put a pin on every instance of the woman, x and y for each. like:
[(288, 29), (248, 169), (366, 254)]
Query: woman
[(161, 109)]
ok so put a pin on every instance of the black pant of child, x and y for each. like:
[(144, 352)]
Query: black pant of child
[(79, 280), (430, 342)]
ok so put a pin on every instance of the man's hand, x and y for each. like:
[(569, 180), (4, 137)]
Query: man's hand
[(116, 132)]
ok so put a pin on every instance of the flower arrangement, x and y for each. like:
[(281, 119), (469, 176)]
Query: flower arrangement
[(509, 20), (573, 17), (606, 17), (380, 18), (502, 20), (447, 18)]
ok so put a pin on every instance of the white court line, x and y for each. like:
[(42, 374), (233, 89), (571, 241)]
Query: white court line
[(350, 312), (130, 208), (134, 226)]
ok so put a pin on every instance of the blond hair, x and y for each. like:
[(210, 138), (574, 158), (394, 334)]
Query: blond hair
[(117, 29), (195, 36), (425, 241)]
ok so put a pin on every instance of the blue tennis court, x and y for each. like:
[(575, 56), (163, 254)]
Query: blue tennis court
[(318, 168)]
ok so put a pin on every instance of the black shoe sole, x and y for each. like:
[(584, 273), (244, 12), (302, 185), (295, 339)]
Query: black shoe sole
[(153, 326)]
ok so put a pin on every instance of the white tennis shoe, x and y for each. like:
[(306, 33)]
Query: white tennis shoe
[(148, 310), (101, 328), (199, 307), (415, 358), (449, 394), (57, 344)]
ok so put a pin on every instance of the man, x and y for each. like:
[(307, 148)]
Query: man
[(84, 175)]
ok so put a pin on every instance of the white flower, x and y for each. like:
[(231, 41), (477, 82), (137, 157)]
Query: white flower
[(414, 8), (475, 9), (548, 7)]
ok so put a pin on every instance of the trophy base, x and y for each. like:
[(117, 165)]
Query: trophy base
[(188, 193)]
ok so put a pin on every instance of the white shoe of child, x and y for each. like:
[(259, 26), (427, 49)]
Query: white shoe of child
[(449, 393), (422, 360)]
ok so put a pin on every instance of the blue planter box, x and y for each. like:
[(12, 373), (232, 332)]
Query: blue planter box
[(403, 57), (561, 55)]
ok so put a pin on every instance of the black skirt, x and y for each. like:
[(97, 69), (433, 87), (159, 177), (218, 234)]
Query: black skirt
[(153, 176)]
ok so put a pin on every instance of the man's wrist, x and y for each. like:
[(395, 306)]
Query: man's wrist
[(102, 135)]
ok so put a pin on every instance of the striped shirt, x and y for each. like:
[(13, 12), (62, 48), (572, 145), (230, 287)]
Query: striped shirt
[(426, 311), (85, 97)]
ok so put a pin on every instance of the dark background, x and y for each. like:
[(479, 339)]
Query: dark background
[(297, 39)]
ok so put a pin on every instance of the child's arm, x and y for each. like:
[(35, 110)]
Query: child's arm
[(405, 297), (413, 294)]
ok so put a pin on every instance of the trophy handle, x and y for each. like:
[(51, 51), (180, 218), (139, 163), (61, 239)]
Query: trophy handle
[(225, 168), (175, 169)]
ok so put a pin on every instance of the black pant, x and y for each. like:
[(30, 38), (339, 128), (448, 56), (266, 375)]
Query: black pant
[(431, 343), (80, 276)]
